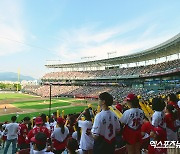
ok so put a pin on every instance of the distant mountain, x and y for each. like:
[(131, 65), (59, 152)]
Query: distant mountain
[(10, 76)]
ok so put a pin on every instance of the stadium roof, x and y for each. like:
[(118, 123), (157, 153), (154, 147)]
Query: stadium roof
[(169, 47)]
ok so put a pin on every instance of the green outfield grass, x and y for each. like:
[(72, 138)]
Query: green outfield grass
[(39, 104), (42, 104), (70, 110), (14, 95)]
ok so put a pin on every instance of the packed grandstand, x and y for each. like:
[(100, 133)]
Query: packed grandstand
[(149, 87), (116, 75)]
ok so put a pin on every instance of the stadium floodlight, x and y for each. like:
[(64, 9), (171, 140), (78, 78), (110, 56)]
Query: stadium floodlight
[(88, 58), (110, 53)]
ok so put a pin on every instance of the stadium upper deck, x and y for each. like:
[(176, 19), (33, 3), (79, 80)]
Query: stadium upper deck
[(170, 47)]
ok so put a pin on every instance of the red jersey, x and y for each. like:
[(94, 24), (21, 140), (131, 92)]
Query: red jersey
[(152, 150), (22, 133), (174, 105), (170, 122), (133, 119), (146, 127), (36, 130)]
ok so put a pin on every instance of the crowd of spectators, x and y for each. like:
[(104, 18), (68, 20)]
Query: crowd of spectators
[(88, 91), (118, 92), (31, 89), (128, 71), (56, 90), (96, 132)]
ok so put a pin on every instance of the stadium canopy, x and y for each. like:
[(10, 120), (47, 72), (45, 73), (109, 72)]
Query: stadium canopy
[(169, 47)]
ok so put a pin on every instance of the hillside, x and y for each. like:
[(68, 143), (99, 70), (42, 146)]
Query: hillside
[(10, 76)]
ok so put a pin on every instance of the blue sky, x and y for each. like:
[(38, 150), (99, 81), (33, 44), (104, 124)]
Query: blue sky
[(34, 31)]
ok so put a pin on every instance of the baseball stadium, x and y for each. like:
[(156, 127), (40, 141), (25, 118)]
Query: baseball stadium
[(70, 88)]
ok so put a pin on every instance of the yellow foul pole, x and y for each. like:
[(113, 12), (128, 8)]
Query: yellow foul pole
[(18, 80)]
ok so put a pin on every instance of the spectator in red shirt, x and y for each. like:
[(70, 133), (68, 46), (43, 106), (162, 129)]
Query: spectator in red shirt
[(38, 128), (170, 119), (172, 100), (157, 134), (145, 132), (22, 134)]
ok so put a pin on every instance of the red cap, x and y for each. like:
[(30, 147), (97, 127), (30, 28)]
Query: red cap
[(60, 120), (130, 97), (38, 121), (119, 107)]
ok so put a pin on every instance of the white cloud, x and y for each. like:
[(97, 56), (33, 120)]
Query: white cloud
[(93, 41), (11, 27), (148, 31)]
